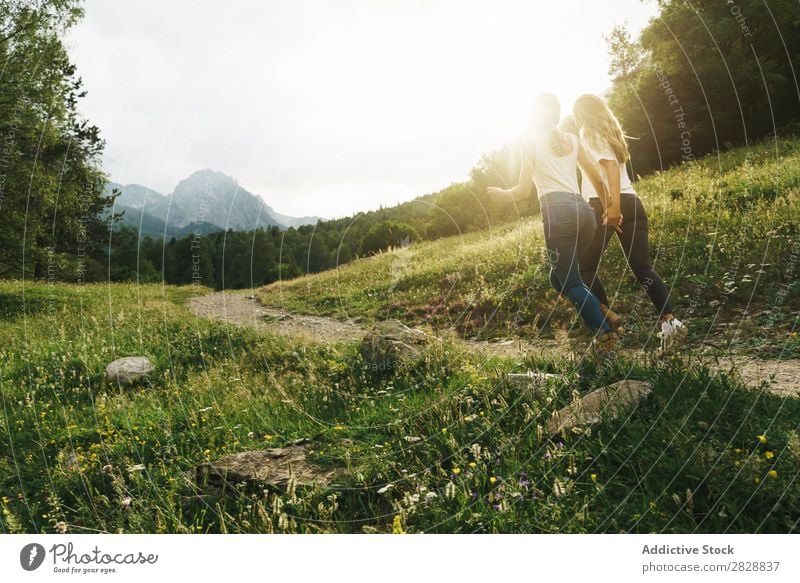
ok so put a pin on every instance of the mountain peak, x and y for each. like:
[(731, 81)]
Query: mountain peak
[(205, 196)]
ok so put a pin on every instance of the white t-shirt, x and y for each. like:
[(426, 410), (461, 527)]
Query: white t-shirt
[(553, 173), (604, 152)]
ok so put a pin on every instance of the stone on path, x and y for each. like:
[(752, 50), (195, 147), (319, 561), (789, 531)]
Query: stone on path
[(611, 402), (268, 467), (391, 342), (129, 370)]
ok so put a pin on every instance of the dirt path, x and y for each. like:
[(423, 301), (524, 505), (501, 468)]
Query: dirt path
[(245, 310)]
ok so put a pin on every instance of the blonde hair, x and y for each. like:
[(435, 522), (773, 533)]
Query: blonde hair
[(599, 124)]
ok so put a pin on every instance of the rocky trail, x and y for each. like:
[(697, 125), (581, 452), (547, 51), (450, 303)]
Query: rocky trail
[(241, 309)]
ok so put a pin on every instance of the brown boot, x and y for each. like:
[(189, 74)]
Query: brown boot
[(613, 319), (604, 344)]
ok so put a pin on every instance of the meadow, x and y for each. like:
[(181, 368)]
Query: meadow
[(724, 236), (442, 443)]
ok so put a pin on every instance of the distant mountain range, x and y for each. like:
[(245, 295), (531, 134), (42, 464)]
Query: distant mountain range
[(205, 202)]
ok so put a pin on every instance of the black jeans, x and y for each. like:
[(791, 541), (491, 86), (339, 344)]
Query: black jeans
[(633, 240), (569, 228)]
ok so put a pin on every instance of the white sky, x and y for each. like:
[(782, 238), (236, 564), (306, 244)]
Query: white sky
[(327, 107)]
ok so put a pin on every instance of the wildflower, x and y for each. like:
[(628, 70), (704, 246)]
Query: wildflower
[(762, 439), (338, 428), (737, 463), (412, 438), (492, 480), (737, 450), (593, 477), (385, 489), (480, 413), (456, 471), (772, 473), (444, 429), (431, 495), (769, 455), (756, 480), (472, 464), (61, 527), (450, 490)]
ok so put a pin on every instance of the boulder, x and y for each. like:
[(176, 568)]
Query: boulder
[(129, 370), (265, 467), (391, 342), (610, 402)]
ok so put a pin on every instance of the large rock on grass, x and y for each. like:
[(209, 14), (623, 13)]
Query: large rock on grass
[(129, 370), (609, 402), (264, 467), (390, 343)]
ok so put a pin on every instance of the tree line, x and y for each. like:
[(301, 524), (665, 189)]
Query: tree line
[(705, 76)]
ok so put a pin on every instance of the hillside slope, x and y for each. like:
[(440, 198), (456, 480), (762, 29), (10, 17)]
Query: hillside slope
[(723, 233), (442, 444)]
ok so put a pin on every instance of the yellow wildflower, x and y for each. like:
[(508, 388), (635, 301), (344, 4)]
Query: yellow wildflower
[(444, 429), (769, 455), (772, 473), (456, 471), (397, 525), (492, 480), (593, 477), (756, 480), (472, 464), (762, 438)]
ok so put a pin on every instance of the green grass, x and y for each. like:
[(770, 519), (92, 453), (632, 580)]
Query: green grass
[(462, 450), (724, 236)]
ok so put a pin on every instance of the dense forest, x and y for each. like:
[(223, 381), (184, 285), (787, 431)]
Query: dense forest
[(705, 76), (701, 77)]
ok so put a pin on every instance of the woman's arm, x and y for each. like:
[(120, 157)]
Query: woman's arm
[(523, 186), (589, 171), (612, 216)]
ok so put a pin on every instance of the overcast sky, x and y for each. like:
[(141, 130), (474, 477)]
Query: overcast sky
[(327, 107)]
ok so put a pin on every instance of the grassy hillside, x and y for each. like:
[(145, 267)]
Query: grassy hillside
[(724, 235), (441, 445)]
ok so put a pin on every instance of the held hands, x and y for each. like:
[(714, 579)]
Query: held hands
[(612, 217)]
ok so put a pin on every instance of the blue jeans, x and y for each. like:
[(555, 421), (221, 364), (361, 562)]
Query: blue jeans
[(569, 228)]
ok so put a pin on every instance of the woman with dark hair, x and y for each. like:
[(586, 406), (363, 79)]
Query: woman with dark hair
[(604, 142), (550, 160)]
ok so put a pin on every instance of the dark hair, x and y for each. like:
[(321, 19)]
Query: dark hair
[(546, 115), (546, 110)]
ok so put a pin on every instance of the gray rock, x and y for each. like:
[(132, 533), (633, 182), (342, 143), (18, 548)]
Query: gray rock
[(264, 467), (610, 402), (391, 342), (129, 370)]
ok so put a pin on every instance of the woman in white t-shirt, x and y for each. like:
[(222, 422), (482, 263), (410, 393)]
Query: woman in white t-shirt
[(550, 160), (605, 143)]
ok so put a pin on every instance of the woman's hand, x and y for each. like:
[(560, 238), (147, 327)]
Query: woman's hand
[(612, 217)]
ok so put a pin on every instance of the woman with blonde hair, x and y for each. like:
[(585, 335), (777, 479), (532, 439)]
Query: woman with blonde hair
[(550, 160), (605, 143)]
